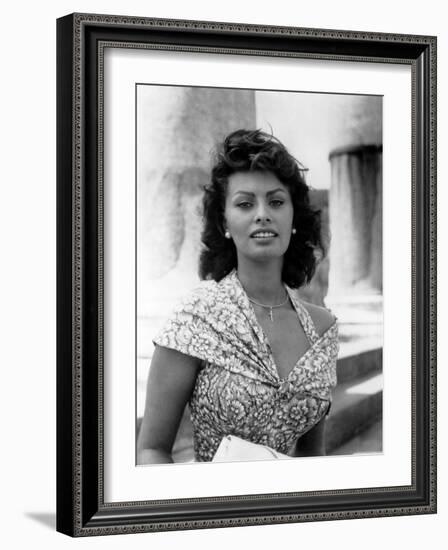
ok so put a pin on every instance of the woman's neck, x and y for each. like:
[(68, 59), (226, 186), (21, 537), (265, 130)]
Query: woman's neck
[(262, 282)]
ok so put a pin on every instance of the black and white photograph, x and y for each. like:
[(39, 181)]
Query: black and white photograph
[(246, 275), (259, 274), (223, 269)]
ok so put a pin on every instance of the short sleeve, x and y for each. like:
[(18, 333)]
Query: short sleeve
[(189, 329)]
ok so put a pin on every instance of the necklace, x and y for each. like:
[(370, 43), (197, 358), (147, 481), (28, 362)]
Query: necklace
[(265, 306)]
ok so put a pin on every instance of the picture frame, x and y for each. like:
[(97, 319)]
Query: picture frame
[(81, 506)]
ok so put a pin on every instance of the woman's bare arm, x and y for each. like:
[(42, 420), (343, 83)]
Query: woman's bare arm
[(171, 380)]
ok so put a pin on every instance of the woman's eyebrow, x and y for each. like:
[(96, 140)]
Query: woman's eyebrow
[(269, 193), (241, 192), (250, 194)]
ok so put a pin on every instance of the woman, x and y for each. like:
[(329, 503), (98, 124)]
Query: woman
[(252, 360)]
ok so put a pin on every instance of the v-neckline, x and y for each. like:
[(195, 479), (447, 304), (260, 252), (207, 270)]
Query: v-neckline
[(302, 358), (311, 335)]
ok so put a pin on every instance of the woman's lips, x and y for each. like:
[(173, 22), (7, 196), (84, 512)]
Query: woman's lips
[(263, 235)]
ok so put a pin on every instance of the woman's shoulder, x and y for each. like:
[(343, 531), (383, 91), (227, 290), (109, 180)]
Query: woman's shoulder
[(211, 287), (204, 287), (190, 311), (201, 291), (206, 293), (322, 317), (210, 296)]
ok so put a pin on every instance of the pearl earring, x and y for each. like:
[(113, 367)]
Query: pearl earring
[(227, 235), (294, 231)]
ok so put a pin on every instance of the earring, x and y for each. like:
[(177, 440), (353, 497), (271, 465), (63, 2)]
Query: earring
[(294, 231), (227, 235)]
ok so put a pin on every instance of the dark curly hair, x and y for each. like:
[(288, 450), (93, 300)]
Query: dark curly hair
[(255, 150)]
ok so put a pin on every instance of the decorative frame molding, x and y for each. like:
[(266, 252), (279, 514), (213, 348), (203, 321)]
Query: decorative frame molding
[(81, 39)]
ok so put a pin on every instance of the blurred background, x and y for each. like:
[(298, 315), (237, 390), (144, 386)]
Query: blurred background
[(339, 139)]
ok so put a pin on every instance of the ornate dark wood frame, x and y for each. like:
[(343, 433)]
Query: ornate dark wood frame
[(81, 39)]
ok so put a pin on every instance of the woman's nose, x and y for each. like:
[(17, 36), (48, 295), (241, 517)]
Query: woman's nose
[(262, 219), (262, 215)]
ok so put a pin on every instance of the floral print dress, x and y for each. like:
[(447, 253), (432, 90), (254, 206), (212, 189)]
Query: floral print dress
[(238, 390)]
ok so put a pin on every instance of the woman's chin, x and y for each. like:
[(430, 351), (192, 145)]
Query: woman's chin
[(266, 254)]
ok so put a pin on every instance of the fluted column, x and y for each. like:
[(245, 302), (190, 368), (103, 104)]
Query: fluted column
[(355, 209)]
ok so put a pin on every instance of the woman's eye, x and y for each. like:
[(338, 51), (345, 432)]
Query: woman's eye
[(276, 202), (244, 204)]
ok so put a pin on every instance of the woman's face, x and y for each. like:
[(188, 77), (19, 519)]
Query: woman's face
[(258, 215)]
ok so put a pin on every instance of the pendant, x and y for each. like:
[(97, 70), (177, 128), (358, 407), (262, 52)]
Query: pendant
[(270, 315)]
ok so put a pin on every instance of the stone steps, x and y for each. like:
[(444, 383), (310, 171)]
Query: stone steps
[(368, 441), (353, 367), (357, 404)]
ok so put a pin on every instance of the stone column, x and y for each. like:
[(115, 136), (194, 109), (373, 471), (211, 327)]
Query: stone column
[(177, 130), (355, 208), (355, 220)]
